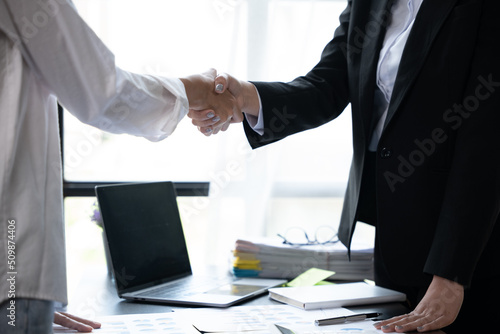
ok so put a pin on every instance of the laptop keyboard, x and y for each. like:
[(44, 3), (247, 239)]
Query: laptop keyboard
[(186, 287)]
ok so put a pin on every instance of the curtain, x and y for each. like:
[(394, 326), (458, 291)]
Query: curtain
[(298, 181)]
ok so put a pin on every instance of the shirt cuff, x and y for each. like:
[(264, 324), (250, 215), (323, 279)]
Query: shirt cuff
[(174, 106), (256, 123)]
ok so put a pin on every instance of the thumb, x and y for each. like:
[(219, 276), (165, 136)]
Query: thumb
[(221, 83)]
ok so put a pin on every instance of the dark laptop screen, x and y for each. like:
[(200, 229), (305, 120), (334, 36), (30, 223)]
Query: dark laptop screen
[(144, 232)]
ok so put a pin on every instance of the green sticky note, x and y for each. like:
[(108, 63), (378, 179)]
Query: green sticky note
[(311, 277)]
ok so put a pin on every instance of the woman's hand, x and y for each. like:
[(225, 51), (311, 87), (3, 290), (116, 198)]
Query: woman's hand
[(438, 309), (73, 322)]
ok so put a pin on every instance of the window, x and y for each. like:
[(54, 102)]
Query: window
[(298, 181)]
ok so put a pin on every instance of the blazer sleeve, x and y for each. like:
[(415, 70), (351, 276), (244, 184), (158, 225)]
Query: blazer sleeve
[(471, 204), (308, 101)]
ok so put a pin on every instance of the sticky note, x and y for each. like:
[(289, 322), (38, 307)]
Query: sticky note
[(311, 277)]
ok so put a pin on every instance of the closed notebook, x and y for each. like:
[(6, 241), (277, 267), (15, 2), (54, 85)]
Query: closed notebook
[(336, 295)]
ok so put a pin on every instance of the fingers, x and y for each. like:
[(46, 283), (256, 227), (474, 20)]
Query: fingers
[(432, 325), (74, 322), (213, 130), (412, 322), (201, 115), (204, 118), (207, 131), (389, 325), (223, 109)]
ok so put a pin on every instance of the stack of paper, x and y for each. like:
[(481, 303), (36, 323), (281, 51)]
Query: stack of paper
[(270, 258)]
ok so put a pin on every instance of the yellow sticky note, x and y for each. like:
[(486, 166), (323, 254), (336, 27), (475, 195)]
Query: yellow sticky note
[(311, 277)]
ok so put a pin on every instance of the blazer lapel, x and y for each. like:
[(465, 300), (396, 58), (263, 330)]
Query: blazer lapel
[(429, 20)]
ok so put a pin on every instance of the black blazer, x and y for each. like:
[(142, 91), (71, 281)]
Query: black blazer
[(438, 159)]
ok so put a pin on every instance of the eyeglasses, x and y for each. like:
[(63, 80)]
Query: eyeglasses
[(297, 236)]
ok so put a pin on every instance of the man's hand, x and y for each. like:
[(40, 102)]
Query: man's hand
[(73, 322), (245, 97), (213, 110), (438, 309)]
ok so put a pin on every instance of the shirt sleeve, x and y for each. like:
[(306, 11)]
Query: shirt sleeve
[(73, 63), (256, 123)]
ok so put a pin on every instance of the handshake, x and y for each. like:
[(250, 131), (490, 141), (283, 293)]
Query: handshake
[(216, 101)]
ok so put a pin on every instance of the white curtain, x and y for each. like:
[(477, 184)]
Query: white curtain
[(298, 181)]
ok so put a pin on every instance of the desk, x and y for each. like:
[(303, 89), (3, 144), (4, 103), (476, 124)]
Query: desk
[(96, 296)]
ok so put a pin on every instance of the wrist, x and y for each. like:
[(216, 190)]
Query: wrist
[(251, 103), (441, 282), (188, 87)]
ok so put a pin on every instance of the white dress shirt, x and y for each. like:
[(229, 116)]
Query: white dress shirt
[(403, 15), (402, 18), (47, 51)]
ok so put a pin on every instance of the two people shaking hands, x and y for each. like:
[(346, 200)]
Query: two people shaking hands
[(425, 170), (217, 100)]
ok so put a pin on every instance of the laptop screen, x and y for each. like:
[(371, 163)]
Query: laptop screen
[(144, 232)]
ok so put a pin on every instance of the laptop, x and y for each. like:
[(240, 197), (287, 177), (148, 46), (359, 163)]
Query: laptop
[(148, 251)]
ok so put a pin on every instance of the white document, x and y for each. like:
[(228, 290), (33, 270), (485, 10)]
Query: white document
[(262, 320), (170, 323)]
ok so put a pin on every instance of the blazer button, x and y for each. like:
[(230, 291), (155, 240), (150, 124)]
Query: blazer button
[(385, 153)]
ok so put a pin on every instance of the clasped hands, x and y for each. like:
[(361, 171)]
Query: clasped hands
[(216, 101)]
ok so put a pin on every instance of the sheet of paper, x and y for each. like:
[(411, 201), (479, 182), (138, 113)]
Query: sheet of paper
[(311, 277), (168, 323), (240, 319)]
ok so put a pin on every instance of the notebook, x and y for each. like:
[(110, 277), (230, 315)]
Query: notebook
[(148, 250), (335, 295)]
